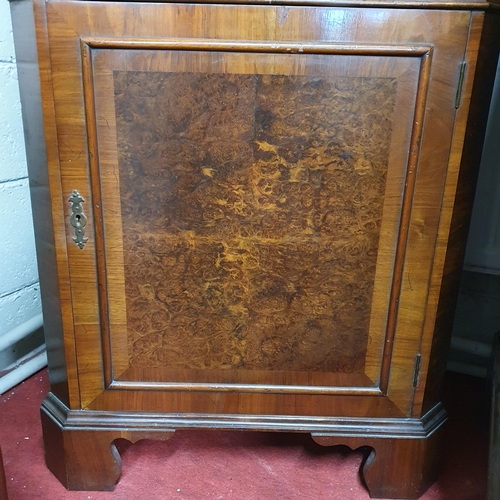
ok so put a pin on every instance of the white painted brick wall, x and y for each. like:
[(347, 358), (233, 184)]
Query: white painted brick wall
[(19, 291)]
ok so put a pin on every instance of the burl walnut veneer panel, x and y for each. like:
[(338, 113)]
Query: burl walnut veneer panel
[(251, 210)]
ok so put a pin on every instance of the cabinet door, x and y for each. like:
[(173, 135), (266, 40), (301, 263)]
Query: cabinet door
[(255, 192)]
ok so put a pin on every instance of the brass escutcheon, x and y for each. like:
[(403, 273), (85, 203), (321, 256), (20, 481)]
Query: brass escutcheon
[(78, 219)]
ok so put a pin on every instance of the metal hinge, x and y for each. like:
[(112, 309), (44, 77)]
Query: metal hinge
[(460, 87), (416, 373)]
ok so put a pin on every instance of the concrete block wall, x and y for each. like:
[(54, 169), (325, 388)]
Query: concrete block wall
[(19, 290)]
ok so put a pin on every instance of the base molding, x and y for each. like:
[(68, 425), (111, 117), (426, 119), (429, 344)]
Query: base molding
[(411, 428), (79, 447)]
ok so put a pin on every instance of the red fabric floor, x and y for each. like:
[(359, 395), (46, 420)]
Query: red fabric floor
[(209, 465)]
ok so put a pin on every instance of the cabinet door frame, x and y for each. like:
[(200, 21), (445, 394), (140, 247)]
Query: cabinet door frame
[(75, 33), (102, 128)]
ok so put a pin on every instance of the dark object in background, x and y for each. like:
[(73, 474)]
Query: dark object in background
[(494, 456), (3, 482)]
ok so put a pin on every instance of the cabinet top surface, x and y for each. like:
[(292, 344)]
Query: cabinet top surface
[(401, 4)]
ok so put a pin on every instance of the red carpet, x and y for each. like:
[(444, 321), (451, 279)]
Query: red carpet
[(209, 465)]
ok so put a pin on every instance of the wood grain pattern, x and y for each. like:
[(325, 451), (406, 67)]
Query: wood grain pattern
[(402, 4), (375, 64), (395, 468), (48, 203), (245, 200), (84, 459), (212, 213), (481, 59), (110, 20), (404, 450), (450, 246)]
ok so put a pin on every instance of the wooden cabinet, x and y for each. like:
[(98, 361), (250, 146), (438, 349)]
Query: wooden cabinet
[(251, 217)]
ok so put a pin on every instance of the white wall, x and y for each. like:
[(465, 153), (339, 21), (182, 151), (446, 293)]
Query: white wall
[(19, 290)]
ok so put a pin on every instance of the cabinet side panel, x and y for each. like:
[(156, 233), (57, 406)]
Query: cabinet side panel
[(36, 99), (482, 87)]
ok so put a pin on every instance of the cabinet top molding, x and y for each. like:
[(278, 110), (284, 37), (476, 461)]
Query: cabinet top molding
[(392, 4)]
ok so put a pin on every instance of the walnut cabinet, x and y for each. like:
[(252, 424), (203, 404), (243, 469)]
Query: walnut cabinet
[(251, 216)]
